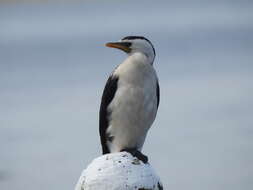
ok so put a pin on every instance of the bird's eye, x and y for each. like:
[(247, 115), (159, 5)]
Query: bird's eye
[(127, 44)]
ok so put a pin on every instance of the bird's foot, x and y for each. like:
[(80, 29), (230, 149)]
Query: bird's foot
[(137, 153)]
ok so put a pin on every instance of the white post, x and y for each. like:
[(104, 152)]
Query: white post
[(118, 171)]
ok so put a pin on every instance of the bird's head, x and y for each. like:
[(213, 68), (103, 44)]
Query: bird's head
[(134, 44)]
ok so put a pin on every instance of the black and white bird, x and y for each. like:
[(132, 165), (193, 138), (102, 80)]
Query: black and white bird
[(130, 99)]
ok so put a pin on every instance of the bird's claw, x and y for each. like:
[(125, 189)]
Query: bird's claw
[(137, 153)]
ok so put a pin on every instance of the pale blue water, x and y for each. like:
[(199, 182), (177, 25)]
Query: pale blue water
[(53, 67)]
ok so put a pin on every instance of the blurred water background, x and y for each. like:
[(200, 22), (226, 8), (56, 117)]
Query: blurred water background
[(53, 67)]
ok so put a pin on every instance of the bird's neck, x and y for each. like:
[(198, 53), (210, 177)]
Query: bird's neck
[(139, 57), (134, 66)]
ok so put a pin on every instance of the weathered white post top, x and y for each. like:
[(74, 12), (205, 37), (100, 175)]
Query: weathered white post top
[(118, 171)]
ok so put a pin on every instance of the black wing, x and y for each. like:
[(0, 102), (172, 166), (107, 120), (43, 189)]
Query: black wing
[(158, 93), (108, 94)]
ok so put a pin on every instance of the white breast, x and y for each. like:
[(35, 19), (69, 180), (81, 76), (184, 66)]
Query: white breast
[(134, 106)]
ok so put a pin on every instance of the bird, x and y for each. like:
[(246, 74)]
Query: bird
[(130, 99)]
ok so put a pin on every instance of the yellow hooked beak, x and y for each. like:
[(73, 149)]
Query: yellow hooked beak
[(125, 46)]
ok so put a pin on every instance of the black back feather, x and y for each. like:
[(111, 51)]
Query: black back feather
[(104, 114), (158, 94)]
